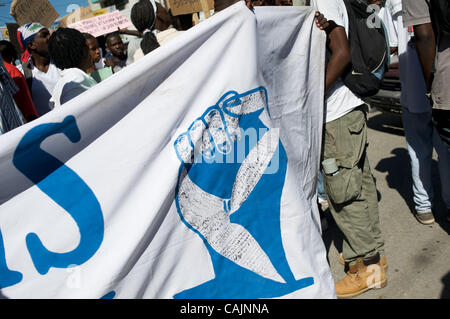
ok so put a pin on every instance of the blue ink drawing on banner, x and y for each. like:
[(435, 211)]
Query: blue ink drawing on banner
[(7, 277), (256, 219), (65, 188), (109, 295)]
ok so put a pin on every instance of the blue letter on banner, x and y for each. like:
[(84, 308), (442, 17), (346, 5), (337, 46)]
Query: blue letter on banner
[(7, 277), (67, 189)]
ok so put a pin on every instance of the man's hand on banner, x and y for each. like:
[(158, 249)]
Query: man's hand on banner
[(323, 24)]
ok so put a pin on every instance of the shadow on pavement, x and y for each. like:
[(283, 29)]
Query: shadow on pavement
[(387, 123), (399, 177), (446, 291)]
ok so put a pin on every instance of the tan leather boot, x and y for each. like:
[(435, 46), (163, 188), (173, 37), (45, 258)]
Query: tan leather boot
[(383, 261), (360, 278)]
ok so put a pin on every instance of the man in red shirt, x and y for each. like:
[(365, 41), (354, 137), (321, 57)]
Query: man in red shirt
[(23, 96)]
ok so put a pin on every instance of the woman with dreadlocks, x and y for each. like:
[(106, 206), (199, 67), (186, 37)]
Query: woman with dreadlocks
[(70, 53)]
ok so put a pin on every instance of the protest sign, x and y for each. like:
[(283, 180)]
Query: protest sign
[(100, 12), (26, 11), (4, 33), (102, 24), (105, 10), (79, 14), (159, 184), (190, 6)]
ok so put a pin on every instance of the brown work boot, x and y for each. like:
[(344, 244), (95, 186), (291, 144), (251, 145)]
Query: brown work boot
[(383, 262), (361, 277), (425, 218)]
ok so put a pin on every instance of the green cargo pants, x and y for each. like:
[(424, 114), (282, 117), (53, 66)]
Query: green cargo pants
[(352, 194)]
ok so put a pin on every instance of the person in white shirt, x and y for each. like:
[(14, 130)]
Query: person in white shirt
[(154, 24), (420, 134), (33, 38), (69, 51), (349, 184)]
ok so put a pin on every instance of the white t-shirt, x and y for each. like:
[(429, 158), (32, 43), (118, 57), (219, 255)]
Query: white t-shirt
[(101, 63), (73, 82), (339, 100), (43, 86), (165, 36), (411, 76), (134, 44)]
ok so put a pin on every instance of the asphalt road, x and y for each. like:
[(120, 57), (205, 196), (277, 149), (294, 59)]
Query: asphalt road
[(418, 256)]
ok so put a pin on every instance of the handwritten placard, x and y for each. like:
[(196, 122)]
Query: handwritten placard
[(26, 11), (102, 24), (188, 6)]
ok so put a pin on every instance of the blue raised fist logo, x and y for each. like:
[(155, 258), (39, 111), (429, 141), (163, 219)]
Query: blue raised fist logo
[(232, 173)]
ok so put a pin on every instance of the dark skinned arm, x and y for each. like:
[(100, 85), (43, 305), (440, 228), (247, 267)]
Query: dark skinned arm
[(339, 47), (340, 54), (426, 50), (131, 32)]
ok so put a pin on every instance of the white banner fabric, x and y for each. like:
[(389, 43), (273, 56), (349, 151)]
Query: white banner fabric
[(191, 173)]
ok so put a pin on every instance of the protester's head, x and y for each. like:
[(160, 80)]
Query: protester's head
[(68, 49), (115, 44), (94, 48), (149, 43), (143, 15), (33, 38), (8, 51)]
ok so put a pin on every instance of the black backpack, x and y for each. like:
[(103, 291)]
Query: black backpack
[(368, 49), (441, 13)]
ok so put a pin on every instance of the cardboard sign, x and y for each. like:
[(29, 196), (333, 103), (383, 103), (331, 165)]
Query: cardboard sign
[(80, 14), (102, 24), (26, 11), (188, 6)]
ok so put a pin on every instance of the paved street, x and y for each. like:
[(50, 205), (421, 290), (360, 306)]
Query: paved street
[(418, 256)]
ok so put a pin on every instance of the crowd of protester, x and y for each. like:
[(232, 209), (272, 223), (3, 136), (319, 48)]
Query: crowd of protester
[(53, 68), (57, 67)]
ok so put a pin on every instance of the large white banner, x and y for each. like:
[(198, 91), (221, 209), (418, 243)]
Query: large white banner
[(189, 174)]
